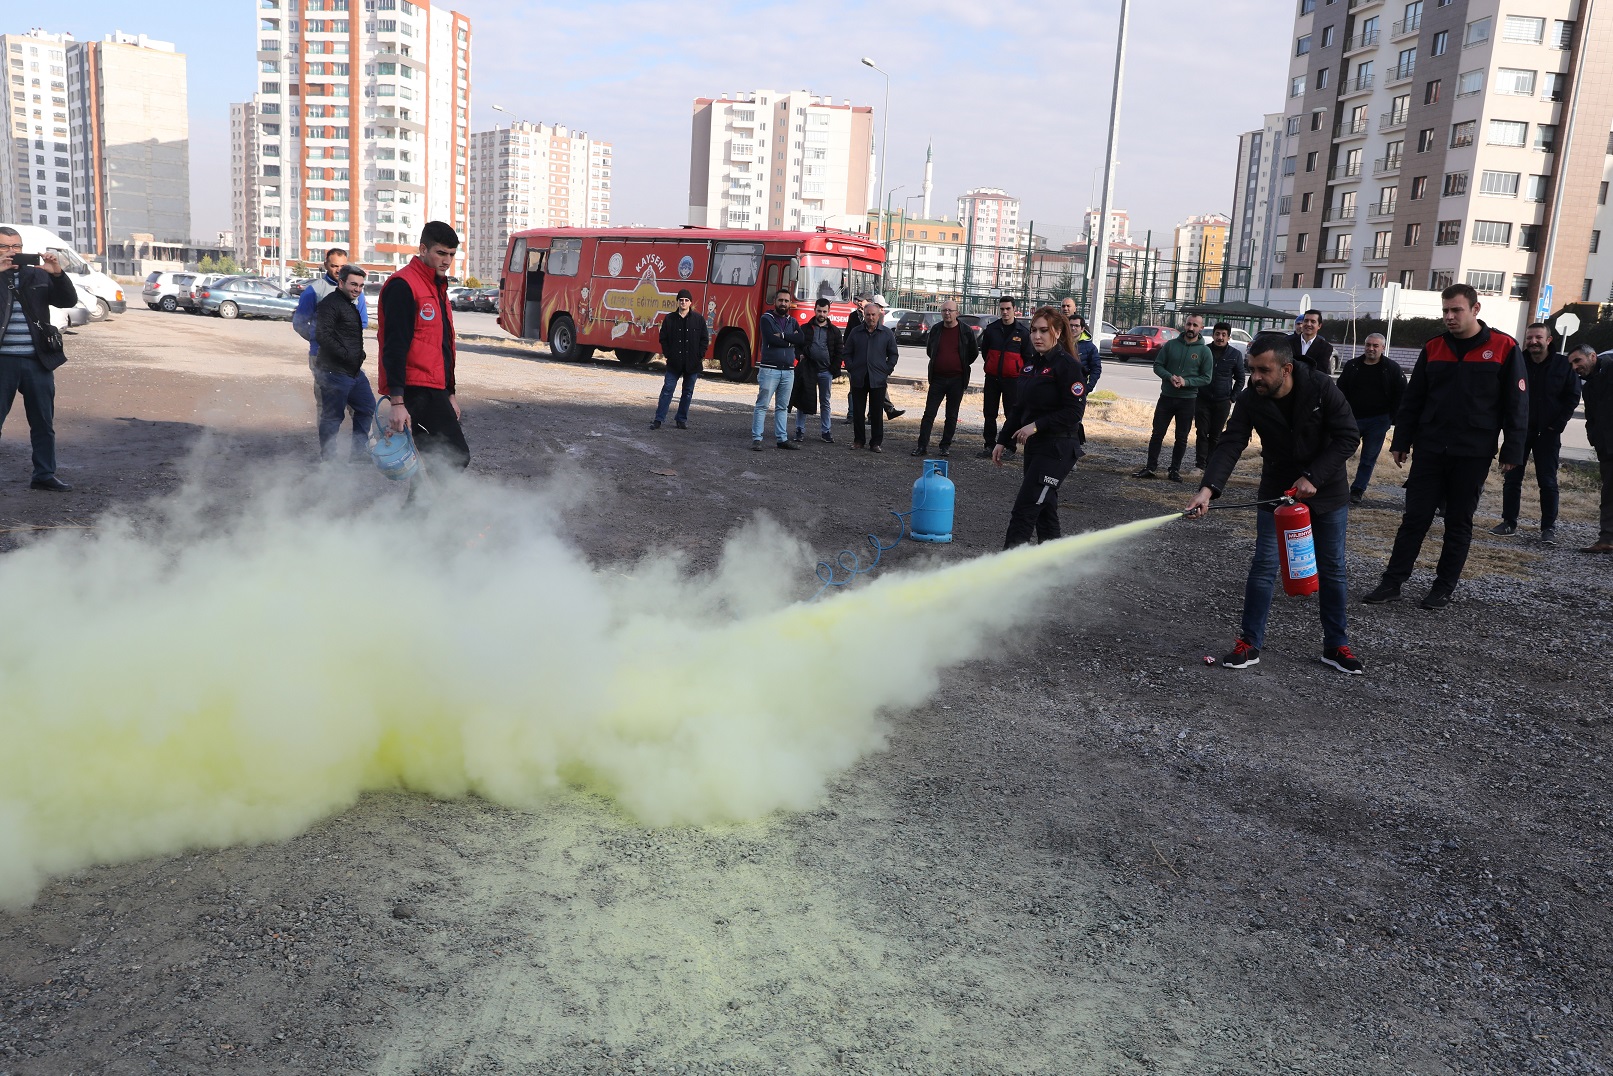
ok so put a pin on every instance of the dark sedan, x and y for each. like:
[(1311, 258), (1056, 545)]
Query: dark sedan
[(914, 326), (485, 301)]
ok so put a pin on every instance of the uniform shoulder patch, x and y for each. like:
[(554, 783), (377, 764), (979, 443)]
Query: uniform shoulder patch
[(1078, 389), (1523, 385)]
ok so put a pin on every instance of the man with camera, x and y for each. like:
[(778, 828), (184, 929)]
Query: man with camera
[(31, 347)]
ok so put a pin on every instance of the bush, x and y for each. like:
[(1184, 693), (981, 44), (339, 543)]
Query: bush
[(472, 282)]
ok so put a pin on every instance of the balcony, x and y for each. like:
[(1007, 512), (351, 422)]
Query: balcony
[(1344, 171), (1352, 86), (1337, 213), (1376, 254), (1367, 40), (1350, 128), (1393, 121), (1400, 73), (1386, 166), (1379, 210), (1362, 5), (1406, 27), (1334, 255)]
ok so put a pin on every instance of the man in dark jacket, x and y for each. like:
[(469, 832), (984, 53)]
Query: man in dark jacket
[(684, 339), (1085, 349), (952, 348), (31, 349), (1306, 436), (1308, 345), (1596, 371), (775, 374), (871, 355), (819, 358), (1215, 399), (1373, 385), (339, 365), (1553, 396), (1005, 345), (1468, 389)]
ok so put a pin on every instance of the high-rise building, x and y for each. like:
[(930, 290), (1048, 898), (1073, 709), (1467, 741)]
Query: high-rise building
[(361, 129), (1457, 141), (243, 180), (1119, 225), (1200, 251), (533, 175), (36, 160), (990, 216), (779, 160), (1258, 191), (130, 125)]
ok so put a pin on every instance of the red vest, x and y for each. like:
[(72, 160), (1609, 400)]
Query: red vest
[(433, 317)]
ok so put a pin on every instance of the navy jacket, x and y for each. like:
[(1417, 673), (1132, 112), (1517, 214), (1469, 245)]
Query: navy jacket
[(780, 339), (1087, 352), (1599, 406), (1553, 394), (870, 356), (1226, 380)]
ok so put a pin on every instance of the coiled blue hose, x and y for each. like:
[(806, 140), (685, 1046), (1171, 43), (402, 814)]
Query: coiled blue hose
[(849, 562)]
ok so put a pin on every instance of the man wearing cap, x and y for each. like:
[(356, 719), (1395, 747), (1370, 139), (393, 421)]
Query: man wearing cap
[(871, 355), (683, 345)]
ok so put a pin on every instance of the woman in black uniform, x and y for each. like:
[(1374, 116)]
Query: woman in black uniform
[(1049, 399)]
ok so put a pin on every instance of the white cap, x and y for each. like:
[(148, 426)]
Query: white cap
[(879, 301)]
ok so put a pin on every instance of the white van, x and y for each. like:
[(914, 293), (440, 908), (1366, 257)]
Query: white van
[(100, 293)]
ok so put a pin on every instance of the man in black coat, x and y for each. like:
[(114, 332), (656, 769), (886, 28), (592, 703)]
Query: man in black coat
[(339, 366), (1596, 371), (871, 357), (31, 348), (684, 339), (1373, 385), (819, 356), (1215, 399), (1553, 397), (1308, 345), (1307, 435)]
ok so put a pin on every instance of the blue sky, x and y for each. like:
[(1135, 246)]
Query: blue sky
[(1014, 94)]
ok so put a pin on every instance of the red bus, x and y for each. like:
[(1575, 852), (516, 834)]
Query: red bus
[(586, 288)]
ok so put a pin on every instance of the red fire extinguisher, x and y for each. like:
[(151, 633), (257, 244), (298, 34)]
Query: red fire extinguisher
[(1296, 549)]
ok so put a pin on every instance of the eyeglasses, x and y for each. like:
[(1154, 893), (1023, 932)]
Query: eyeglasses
[(14, 249)]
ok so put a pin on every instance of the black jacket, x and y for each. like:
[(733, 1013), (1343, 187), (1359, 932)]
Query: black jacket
[(1050, 392), (968, 348), (870, 356), (683, 343), (39, 291), (781, 336), (339, 332), (1006, 348), (1553, 393), (1316, 445), (1320, 356), (1226, 381), (1357, 384), (1463, 394), (806, 368), (1599, 406)]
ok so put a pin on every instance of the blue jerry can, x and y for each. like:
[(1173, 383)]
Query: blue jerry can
[(933, 496)]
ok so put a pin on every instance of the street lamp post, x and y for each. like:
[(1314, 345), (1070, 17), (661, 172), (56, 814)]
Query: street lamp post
[(884, 149), (1100, 279), (885, 224), (905, 203)]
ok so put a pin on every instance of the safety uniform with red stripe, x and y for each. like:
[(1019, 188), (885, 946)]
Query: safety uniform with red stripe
[(1463, 394), (1006, 347)]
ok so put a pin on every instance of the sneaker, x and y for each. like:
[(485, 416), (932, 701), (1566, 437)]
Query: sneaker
[(1243, 655), (656, 425), (790, 445), (826, 439), (1357, 496), (1504, 529), (1344, 660), (1175, 476), (756, 446), (682, 425), (1548, 535), (1438, 596), (800, 435), (1144, 472), (1385, 592)]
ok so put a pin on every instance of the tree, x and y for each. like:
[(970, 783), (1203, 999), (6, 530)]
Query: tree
[(472, 282), (222, 264)]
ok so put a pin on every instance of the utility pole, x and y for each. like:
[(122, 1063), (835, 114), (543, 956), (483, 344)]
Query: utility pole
[(1109, 171)]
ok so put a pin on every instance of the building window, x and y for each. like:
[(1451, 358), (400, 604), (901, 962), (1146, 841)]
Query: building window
[(1601, 194), (1293, 126), (1302, 46), (1441, 42), (1508, 133), (1546, 137), (1492, 233), (1307, 6), (1327, 37), (1449, 233), (1336, 281), (1485, 282), (1462, 134), (1499, 184), (1528, 237), (1440, 279), (1324, 78), (1521, 285), (1596, 240), (1302, 242), (1296, 86), (1414, 234), (1289, 165), (1419, 187), (1426, 140), (1537, 189), (1310, 160), (1406, 278), (1318, 117), (1431, 92), (1585, 292), (1563, 34), (1469, 82), (1375, 280), (1477, 33), (1305, 201), (1455, 184), (1523, 29), (1515, 81)]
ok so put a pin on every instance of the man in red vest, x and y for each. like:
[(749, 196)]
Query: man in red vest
[(416, 330)]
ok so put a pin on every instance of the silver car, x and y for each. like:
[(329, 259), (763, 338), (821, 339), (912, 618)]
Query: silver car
[(162, 291), (244, 296)]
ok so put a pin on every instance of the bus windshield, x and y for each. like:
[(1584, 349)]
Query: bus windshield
[(833, 279)]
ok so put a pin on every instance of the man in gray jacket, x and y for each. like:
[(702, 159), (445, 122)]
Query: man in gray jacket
[(871, 356)]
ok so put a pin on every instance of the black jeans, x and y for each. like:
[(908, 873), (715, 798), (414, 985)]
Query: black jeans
[(997, 389), (950, 390), (1437, 479), (1171, 409), (868, 409), (25, 374), (1209, 419), (437, 434), (1607, 496), (1036, 508), (1545, 447)]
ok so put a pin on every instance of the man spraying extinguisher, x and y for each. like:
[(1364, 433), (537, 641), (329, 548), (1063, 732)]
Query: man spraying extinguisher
[(1307, 435)]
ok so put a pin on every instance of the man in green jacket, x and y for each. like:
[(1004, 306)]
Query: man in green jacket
[(1183, 365)]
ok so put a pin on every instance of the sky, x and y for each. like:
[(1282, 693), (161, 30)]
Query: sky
[(1014, 94)]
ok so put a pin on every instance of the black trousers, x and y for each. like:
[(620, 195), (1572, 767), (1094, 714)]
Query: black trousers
[(437, 433), (1546, 449), (868, 409), (1209, 419), (1171, 409), (1607, 495), (997, 390), (1036, 508), (950, 390), (1438, 479)]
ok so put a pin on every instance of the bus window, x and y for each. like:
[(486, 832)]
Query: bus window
[(736, 263), (517, 255), (565, 256), (824, 278)]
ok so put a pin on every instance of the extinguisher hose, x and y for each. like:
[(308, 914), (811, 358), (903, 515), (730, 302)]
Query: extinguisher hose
[(1287, 498)]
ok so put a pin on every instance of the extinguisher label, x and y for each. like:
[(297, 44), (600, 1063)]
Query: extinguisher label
[(1301, 553)]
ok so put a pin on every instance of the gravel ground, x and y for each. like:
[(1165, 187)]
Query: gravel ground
[(1087, 853)]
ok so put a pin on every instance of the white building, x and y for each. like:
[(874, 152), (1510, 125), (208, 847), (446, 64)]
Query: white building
[(243, 181), (361, 129), (996, 259), (773, 160), (36, 163), (533, 175), (1258, 191)]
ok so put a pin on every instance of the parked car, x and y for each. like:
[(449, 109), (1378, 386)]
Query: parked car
[(1241, 340), (463, 301), (241, 296), (190, 298), (162, 290), (1106, 339), (455, 293), (914, 328), (977, 322), (1141, 341), (486, 301), (894, 317)]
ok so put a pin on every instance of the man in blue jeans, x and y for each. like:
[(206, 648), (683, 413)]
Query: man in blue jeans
[(684, 339), (775, 374), (1372, 385), (339, 366), (820, 360), (1307, 435)]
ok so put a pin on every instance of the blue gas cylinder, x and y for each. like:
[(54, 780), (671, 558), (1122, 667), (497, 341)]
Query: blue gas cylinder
[(933, 496)]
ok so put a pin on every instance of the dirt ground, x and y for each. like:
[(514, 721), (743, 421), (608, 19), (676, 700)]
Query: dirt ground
[(1089, 853)]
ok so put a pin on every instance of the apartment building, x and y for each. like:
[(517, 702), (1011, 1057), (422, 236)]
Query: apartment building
[(243, 181), (925, 256), (1199, 251), (533, 175), (361, 129), (36, 165), (129, 120), (772, 160), (990, 216), (1259, 189), (1436, 141)]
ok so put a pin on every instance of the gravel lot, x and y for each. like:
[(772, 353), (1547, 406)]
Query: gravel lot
[(1087, 852)]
